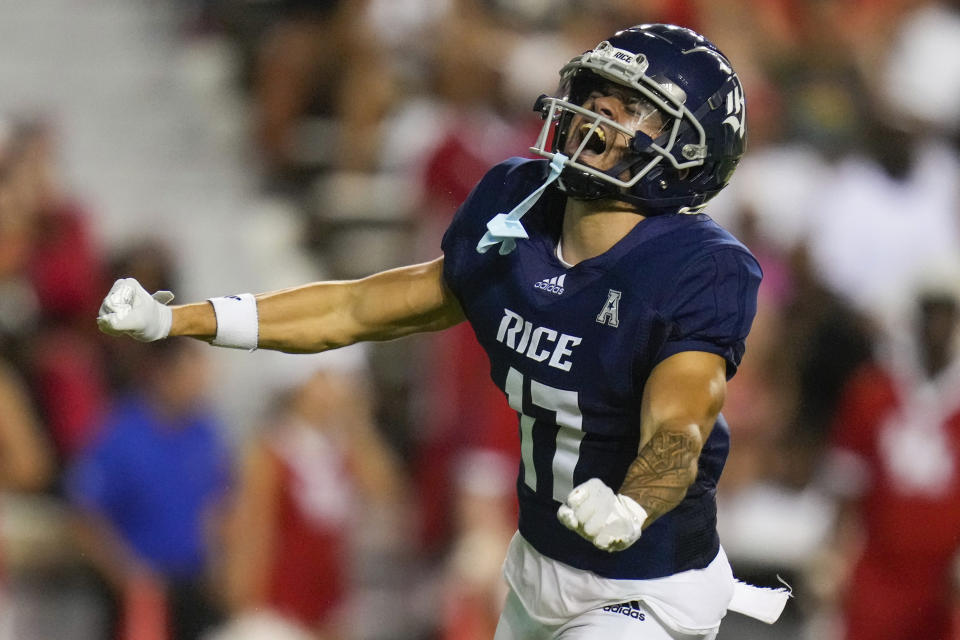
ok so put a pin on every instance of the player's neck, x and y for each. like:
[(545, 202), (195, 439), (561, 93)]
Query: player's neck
[(591, 228)]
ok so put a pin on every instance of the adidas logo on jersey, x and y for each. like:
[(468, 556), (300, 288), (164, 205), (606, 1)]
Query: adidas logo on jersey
[(552, 285)]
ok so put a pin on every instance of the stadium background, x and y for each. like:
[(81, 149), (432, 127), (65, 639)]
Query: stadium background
[(257, 144)]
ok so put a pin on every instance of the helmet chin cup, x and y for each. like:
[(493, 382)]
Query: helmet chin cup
[(582, 186), (641, 143)]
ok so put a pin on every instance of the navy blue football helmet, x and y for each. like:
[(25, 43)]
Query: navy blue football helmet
[(700, 104)]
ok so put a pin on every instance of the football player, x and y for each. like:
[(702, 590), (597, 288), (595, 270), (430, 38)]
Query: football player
[(613, 312)]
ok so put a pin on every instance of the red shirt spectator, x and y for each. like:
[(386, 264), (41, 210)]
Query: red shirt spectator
[(906, 437)]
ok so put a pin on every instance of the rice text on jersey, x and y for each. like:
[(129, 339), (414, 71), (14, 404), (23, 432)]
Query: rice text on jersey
[(524, 337)]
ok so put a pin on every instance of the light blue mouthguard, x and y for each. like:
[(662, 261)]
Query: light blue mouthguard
[(504, 228)]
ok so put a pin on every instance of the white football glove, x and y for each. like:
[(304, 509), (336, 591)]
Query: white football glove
[(129, 310), (611, 521)]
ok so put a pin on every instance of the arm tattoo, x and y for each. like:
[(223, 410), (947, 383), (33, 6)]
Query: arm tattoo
[(663, 471)]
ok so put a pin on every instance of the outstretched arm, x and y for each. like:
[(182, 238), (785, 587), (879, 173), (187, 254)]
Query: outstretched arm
[(681, 401), (326, 315)]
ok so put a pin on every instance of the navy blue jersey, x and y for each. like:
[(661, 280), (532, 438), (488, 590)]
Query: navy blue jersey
[(571, 347)]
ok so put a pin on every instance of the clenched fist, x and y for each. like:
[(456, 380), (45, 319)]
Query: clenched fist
[(129, 310), (611, 521)]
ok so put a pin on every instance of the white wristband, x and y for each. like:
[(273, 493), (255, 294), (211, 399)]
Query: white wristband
[(237, 324)]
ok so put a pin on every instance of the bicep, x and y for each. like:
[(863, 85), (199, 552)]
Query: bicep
[(384, 306), (686, 388), (406, 300)]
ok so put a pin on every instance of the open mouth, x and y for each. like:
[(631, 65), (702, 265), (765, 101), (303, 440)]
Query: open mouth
[(597, 142)]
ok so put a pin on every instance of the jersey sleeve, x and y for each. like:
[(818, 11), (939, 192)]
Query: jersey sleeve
[(711, 306), (456, 239), (498, 190)]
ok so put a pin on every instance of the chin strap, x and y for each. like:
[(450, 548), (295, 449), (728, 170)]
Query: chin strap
[(503, 228)]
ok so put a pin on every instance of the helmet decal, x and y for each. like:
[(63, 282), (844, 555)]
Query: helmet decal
[(735, 109)]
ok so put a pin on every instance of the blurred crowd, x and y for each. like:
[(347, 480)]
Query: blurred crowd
[(372, 497)]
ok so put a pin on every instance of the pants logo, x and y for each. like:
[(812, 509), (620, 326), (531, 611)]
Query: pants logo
[(630, 609)]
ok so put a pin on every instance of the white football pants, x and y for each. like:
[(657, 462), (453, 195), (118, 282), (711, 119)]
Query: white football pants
[(627, 621)]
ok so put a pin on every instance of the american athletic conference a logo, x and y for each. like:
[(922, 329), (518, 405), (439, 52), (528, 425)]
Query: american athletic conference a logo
[(551, 285)]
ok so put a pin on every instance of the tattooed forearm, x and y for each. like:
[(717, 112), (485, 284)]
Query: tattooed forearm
[(663, 470)]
